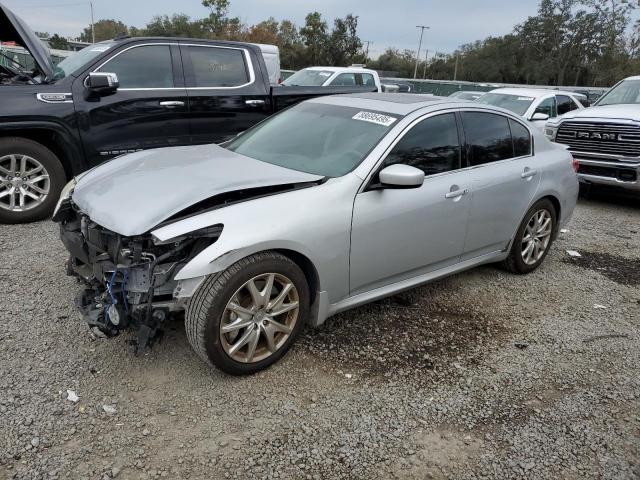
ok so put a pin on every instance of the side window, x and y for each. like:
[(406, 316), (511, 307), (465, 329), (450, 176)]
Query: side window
[(521, 139), (368, 80), (217, 67), (344, 80), (488, 137), (142, 67), (432, 146), (565, 104), (548, 107)]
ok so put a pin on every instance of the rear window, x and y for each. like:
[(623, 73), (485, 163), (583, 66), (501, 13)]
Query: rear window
[(488, 137), (217, 67), (518, 104)]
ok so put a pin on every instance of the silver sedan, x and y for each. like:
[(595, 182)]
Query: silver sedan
[(333, 203)]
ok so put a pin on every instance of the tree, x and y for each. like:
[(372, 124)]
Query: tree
[(59, 43), (292, 50), (104, 30), (344, 43), (314, 35), (264, 32), (178, 25)]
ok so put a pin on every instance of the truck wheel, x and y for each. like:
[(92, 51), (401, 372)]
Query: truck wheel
[(533, 239), (246, 318), (31, 178)]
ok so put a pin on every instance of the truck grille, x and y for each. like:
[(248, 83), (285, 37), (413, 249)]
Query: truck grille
[(605, 138)]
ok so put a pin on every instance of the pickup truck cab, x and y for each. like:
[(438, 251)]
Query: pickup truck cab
[(335, 77), (605, 138), (534, 104), (122, 96)]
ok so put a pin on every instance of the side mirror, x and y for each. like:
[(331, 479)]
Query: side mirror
[(539, 116), (401, 176), (102, 84)]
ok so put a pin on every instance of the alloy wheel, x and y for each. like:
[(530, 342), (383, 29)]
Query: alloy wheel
[(537, 236), (24, 183), (259, 318)]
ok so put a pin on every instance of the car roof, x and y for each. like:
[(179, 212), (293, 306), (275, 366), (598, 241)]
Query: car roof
[(395, 103), (531, 92), (341, 69)]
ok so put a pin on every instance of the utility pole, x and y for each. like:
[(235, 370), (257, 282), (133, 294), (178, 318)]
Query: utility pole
[(93, 33), (366, 54), (421, 27), (426, 59), (455, 70)]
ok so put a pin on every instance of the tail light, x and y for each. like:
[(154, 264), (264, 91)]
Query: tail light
[(576, 164)]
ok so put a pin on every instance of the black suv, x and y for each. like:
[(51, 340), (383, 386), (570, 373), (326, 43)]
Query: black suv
[(117, 97)]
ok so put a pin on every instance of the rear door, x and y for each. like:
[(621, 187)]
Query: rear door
[(226, 90), (504, 179), (149, 110)]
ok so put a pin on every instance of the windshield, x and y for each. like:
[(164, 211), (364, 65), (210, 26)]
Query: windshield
[(80, 59), (626, 92), (315, 138), (308, 78), (516, 103)]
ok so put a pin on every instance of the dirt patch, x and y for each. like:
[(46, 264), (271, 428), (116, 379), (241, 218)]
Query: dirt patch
[(622, 270), (405, 336)]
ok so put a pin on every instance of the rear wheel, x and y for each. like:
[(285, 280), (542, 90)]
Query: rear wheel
[(31, 179), (533, 239), (246, 318)]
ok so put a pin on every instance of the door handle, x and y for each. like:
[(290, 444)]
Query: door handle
[(172, 103), (456, 193), (528, 173), (254, 103)]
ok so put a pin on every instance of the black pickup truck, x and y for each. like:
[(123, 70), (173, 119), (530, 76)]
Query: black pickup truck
[(117, 97)]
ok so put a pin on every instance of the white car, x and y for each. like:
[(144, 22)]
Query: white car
[(535, 104), (334, 77)]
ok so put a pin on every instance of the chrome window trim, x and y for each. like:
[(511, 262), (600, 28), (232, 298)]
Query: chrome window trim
[(247, 58), (434, 113)]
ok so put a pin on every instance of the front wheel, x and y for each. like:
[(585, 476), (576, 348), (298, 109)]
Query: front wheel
[(31, 179), (246, 318), (533, 239)]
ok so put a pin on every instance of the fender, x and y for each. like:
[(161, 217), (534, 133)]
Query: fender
[(68, 142)]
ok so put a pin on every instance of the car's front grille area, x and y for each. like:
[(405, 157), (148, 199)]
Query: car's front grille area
[(622, 174), (606, 138)]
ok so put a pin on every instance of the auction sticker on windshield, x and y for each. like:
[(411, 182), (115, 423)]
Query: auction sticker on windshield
[(376, 118)]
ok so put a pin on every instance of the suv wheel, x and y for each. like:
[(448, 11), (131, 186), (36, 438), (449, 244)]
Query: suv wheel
[(31, 179), (246, 318), (533, 239)]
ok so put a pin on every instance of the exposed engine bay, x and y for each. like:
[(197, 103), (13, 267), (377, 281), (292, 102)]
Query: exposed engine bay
[(129, 281)]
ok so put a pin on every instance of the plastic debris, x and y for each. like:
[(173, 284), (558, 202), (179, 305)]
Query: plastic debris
[(110, 409), (348, 375), (564, 230), (72, 396), (573, 253), (600, 307)]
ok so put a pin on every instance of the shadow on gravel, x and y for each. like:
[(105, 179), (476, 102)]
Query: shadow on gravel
[(409, 335), (610, 196), (625, 271)]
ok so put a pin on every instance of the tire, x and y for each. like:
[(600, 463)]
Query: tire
[(517, 261), (208, 313), (34, 154)]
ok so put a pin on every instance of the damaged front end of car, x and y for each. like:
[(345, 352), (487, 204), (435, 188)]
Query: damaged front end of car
[(128, 281)]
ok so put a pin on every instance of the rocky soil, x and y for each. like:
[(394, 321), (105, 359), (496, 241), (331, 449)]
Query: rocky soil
[(481, 375)]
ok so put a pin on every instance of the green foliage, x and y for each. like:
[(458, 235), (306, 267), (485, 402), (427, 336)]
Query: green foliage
[(58, 42), (104, 30)]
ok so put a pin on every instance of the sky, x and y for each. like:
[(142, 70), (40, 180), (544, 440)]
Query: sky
[(383, 22)]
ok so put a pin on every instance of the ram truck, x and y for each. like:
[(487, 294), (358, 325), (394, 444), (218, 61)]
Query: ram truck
[(122, 96), (605, 138)]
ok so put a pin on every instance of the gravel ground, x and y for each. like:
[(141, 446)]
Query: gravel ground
[(482, 375)]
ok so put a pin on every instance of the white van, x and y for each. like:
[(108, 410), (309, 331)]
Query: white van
[(271, 55)]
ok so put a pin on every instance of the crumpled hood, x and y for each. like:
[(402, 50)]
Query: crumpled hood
[(619, 112), (14, 29), (132, 194)]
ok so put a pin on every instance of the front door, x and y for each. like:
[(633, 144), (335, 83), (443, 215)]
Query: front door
[(504, 180), (149, 110), (227, 93), (402, 233)]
